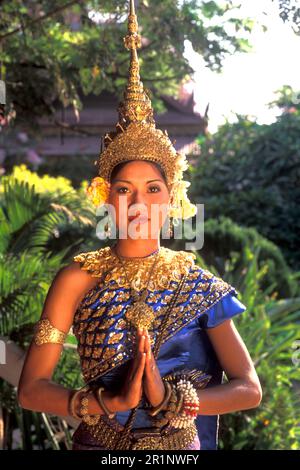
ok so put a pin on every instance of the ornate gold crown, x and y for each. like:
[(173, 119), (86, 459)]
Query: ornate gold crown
[(136, 137)]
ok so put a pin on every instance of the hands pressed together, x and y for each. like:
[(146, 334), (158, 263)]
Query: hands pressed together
[(143, 375)]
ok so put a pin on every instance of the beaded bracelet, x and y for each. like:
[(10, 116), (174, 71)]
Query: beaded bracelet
[(84, 401), (183, 406), (172, 406), (71, 405), (86, 417), (190, 408)]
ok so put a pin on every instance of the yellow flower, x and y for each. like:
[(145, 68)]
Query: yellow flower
[(182, 206), (98, 191), (95, 71), (181, 163)]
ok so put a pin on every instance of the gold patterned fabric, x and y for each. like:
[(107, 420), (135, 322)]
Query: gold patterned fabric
[(176, 439)]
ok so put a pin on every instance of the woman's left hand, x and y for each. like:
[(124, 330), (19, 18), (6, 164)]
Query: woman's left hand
[(152, 382)]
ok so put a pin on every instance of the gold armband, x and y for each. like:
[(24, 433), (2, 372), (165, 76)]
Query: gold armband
[(44, 332)]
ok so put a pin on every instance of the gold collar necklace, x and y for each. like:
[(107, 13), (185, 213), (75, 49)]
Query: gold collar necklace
[(139, 314), (129, 258)]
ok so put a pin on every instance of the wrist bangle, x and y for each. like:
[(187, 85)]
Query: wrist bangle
[(109, 413), (180, 403), (74, 394), (168, 391)]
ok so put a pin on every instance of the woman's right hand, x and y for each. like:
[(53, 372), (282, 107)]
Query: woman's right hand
[(132, 389)]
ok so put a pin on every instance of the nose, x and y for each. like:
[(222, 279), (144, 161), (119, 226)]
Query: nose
[(138, 204), (138, 198)]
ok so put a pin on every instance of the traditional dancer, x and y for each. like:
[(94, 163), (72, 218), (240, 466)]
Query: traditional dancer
[(154, 329)]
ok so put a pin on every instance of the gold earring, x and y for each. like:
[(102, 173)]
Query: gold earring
[(171, 233), (107, 229)]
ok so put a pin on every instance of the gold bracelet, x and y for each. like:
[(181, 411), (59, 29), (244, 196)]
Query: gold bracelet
[(72, 399), (173, 409), (45, 332), (168, 391), (86, 417), (179, 403), (110, 414)]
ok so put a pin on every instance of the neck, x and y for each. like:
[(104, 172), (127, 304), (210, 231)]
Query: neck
[(136, 248)]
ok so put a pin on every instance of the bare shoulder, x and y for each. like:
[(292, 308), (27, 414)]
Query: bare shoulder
[(72, 281), (81, 275), (65, 293)]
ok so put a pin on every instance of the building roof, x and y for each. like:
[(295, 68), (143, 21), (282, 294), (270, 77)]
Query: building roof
[(99, 116)]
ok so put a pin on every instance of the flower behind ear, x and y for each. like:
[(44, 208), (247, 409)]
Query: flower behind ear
[(98, 191), (182, 208)]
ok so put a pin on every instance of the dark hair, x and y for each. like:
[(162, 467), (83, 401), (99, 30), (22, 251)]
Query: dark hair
[(119, 166)]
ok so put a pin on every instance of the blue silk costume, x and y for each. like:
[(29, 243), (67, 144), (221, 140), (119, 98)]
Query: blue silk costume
[(106, 341)]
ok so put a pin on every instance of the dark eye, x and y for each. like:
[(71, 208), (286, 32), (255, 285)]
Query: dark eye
[(119, 189), (155, 187)]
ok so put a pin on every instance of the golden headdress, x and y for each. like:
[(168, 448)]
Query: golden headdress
[(137, 138)]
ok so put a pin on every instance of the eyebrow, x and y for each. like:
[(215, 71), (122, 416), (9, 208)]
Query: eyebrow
[(126, 181)]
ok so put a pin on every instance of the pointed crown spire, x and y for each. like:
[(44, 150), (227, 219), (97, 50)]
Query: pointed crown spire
[(137, 138), (136, 106)]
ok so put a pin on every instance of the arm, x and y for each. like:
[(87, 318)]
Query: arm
[(243, 391), (36, 390)]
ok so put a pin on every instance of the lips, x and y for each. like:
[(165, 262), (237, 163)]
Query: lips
[(138, 218)]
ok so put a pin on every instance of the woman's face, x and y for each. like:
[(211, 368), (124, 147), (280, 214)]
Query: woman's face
[(140, 198)]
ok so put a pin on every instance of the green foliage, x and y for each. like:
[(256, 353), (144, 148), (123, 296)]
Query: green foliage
[(224, 239), (287, 99), (270, 330), (42, 221), (47, 60), (250, 173), (72, 168), (24, 282), (42, 214), (42, 184)]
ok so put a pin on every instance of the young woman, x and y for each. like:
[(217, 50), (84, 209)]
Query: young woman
[(154, 329)]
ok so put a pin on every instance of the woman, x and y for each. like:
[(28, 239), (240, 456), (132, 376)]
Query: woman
[(154, 329)]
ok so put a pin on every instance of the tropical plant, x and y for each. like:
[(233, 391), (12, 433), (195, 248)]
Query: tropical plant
[(250, 173), (35, 214), (223, 239), (270, 329), (28, 261), (42, 214)]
